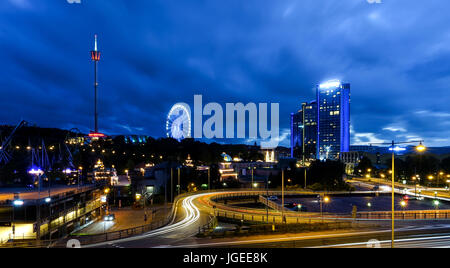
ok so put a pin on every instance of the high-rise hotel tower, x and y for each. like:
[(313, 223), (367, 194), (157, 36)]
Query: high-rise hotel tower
[(333, 109)]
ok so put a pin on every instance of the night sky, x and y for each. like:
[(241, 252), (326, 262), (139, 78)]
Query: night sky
[(155, 53)]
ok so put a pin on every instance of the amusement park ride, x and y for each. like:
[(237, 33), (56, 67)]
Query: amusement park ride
[(5, 154), (61, 154)]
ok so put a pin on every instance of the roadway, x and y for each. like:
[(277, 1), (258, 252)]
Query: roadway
[(190, 216), (191, 213), (125, 218)]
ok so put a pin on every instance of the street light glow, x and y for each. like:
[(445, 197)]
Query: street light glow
[(421, 148), (403, 203), (18, 203)]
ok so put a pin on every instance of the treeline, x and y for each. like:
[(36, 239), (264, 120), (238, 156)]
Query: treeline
[(423, 169)]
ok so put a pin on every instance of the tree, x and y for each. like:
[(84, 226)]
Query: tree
[(365, 165), (445, 165), (329, 174), (422, 165)]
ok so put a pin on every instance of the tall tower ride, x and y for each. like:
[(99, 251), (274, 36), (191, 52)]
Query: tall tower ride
[(95, 56)]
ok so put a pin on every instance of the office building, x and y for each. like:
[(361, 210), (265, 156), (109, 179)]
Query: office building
[(333, 109), (304, 131)]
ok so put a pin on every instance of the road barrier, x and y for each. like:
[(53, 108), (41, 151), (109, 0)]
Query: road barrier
[(115, 235), (406, 215)]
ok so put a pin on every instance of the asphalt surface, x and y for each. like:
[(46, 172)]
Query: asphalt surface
[(125, 218), (192, 213), (190, 216)]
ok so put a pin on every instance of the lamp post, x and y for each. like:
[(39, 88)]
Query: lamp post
[(323, 199), (395, 148), (282, 195), (436, 204), (38, 173), (179, 181), (209, 178), (267, 198)]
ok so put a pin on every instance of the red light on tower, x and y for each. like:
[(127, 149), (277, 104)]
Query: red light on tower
[(95, 55), (96, 135)]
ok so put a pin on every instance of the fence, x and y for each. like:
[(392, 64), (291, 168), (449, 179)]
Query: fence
[(406, 215)]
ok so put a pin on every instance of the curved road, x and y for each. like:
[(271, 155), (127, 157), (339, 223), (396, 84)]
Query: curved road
[(185, 225), (192, 212)]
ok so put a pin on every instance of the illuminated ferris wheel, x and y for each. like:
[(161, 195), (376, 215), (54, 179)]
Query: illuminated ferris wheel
[(178, 125)]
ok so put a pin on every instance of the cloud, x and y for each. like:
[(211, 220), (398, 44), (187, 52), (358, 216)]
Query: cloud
[(395, 129), (366, 139), (427, 113), (157, 53)]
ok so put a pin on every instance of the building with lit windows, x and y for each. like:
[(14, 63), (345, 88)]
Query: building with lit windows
[(333, 109), (304, 131)]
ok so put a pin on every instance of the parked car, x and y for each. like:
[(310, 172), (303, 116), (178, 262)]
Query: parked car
[(273, 198)]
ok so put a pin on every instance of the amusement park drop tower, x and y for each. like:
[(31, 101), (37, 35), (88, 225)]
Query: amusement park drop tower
[(95, 55)]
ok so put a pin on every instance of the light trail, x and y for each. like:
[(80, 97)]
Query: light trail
[(192, 216), (412, 242), (302, 237)]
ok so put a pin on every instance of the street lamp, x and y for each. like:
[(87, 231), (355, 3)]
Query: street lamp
[(38, 173), (403, 204), (395, 148), (323, 199), (436, 204)]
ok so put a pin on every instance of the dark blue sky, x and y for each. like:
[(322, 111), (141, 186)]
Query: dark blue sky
[(156, 53)]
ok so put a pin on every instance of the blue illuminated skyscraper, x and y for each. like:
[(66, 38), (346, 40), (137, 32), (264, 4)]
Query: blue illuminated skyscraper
[(333, 109)]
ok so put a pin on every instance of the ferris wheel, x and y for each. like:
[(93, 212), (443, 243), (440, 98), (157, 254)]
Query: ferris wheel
[(178, 125)]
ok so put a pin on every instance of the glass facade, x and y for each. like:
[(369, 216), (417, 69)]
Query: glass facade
[(310, 127), (333, 111)]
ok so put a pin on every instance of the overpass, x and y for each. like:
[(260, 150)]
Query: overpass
[(56, 212)]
